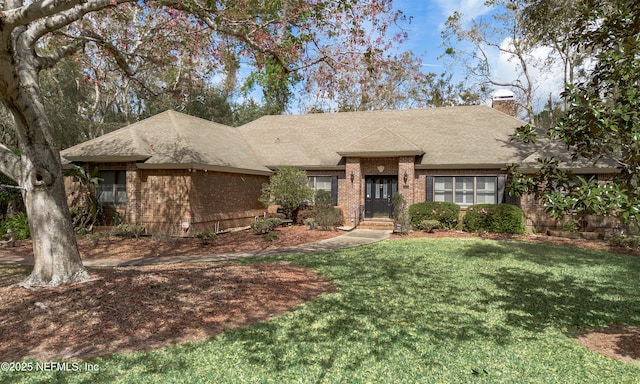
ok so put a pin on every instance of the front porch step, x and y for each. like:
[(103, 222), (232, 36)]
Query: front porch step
[(377, 224)]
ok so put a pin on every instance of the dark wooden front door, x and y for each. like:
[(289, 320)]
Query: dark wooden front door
[(378, 192)]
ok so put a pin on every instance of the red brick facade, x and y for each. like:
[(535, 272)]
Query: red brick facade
[(162, 200)]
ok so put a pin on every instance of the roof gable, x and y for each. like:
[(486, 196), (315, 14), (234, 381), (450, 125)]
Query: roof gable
[(172, 140), (382, 143)]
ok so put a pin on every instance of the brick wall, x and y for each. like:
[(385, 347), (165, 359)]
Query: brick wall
[(232, 200), (406, 166)]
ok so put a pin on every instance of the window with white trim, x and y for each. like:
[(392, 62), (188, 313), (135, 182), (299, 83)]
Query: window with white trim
[(465, 190), (112, 190), (320, 183)]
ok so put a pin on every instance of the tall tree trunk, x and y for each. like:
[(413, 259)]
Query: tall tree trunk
[(38, 170), (57, 260)]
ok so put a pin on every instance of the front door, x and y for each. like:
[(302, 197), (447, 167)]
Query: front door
[(378, 192)]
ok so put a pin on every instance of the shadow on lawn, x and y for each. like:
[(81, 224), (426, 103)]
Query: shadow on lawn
[(381, 305), (493, 292), (569, 288)]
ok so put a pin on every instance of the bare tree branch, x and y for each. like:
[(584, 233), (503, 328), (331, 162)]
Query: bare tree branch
[(47, 24)]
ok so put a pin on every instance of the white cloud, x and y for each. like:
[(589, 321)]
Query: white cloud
[(547, 80), (470, 9)]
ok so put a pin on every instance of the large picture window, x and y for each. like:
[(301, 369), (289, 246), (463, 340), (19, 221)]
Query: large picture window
[(112, 190), (325, 183), (466, 190), (320, 183)]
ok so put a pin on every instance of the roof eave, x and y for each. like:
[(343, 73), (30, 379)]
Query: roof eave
[(105, 159), (460, 166), (206, 167), (381, 153)]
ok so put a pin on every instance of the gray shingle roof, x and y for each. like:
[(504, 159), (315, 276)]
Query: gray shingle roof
[(456, 137), (442, 138), (172, 140)]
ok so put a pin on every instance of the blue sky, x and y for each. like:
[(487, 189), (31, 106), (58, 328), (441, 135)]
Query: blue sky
[(428, 18)]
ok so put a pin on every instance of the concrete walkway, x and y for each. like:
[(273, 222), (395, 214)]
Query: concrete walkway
[(351, 239)]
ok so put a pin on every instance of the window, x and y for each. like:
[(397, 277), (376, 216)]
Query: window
[(325, 183), (320, 183), (466, 190), (112, 190)]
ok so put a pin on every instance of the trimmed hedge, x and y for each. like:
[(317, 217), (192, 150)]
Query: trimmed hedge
[(446, 213), (498, 218)]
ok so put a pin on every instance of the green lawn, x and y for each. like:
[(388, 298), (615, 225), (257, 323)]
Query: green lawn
[(423, 310)]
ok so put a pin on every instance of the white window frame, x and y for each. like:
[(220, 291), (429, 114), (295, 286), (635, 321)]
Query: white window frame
[(454, 191), (117, 192), (313, 183)]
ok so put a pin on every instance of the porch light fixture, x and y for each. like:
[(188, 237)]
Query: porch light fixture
[(405, 177), (352, 177)]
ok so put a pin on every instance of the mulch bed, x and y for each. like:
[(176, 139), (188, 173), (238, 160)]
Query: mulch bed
[(143, 308), (103, 246)]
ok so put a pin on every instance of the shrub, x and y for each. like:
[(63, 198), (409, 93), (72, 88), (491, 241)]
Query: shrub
[(429, 225), (311, 222), (304, 214), (571, 226), (289, 188), (205, 237), (130, 230), (18, 223), (265, 225), (270, 236), (327, 216), (446, 213), (499, 218), (624, 241)]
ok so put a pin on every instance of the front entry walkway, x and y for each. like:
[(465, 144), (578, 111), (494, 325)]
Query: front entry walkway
[(351, 239)]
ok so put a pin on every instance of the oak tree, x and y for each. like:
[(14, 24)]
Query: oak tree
[(127, 35)]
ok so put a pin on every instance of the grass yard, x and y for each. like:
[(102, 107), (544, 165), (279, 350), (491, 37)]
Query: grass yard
[(420, 310)]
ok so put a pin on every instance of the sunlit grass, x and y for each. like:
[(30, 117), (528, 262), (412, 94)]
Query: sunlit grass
[(440, 310)]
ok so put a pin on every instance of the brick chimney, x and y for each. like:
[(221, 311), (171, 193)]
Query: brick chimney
[(505, 102)]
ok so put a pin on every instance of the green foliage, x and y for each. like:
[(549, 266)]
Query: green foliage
[(306, 213), (602, 120), (205, 237), (571, 225), (446, 213), (429, 225), (270, 236), (401, 213), (130, 230), (18, 223), (265, 225), (624, 241), (498, 218), (289, 188), (327, 216)]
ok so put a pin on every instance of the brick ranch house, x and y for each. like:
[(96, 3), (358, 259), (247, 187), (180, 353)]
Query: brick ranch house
[(173, 171)]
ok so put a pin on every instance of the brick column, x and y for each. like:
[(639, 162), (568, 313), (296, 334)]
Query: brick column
[(134, 198), (406, 165), (353, 189)]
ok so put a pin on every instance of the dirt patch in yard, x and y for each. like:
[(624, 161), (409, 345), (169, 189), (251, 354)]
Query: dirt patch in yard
[(619, 342)]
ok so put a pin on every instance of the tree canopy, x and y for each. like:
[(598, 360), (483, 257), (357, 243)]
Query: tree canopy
[(602, 120)]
